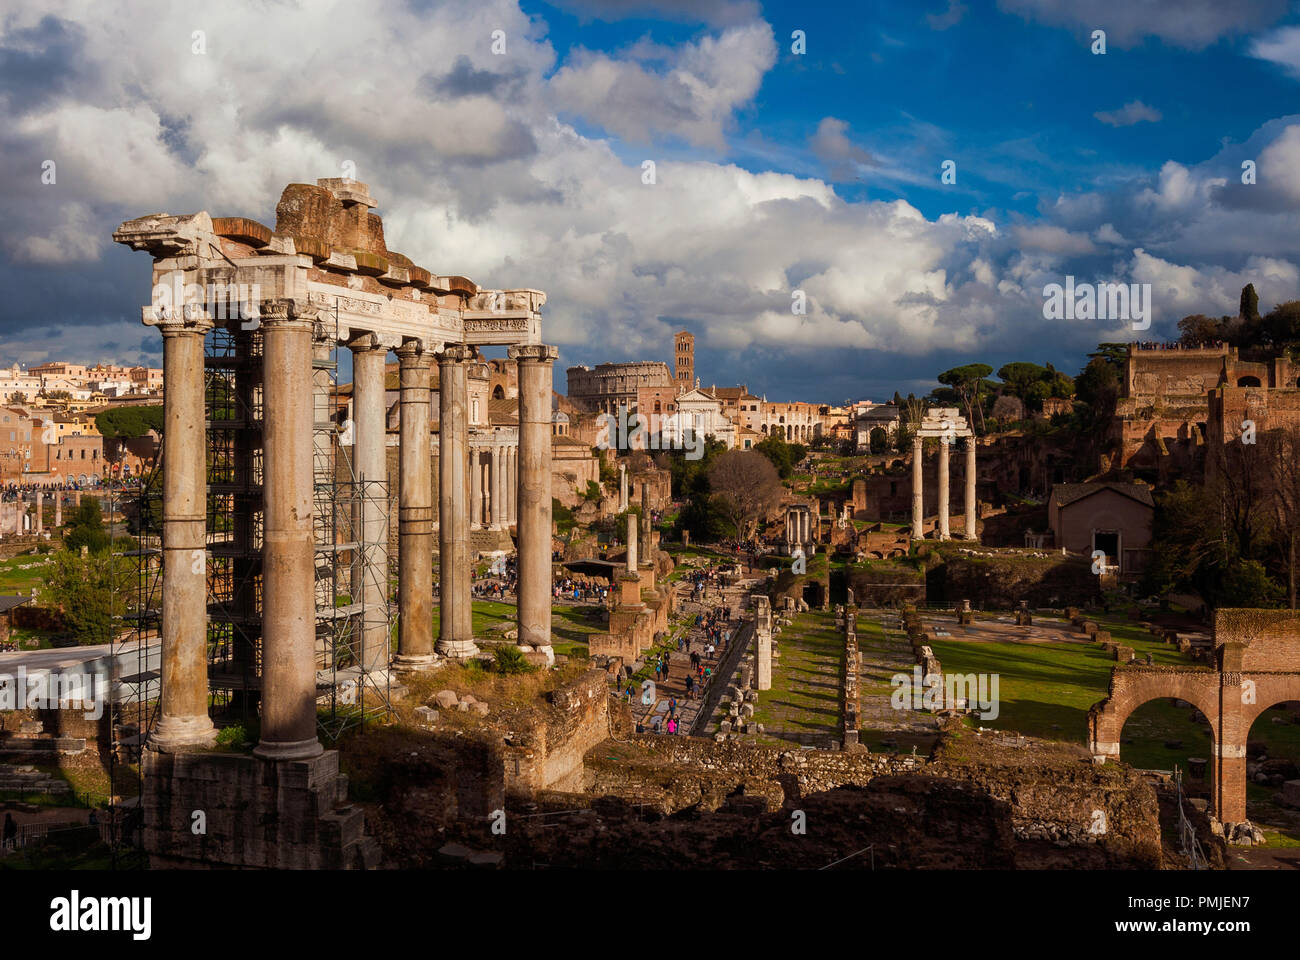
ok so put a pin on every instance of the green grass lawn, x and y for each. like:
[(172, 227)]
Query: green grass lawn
[(570, 626), (806, 679), (14, 579), (1045, 690)]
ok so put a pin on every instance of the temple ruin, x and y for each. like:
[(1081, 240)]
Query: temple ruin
[(324, 278)]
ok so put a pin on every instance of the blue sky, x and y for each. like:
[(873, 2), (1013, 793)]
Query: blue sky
[(776, 172)]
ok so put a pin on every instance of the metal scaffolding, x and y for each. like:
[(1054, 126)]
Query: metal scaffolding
[(233, 395), (344, 568), (134, 651), (345, 693)]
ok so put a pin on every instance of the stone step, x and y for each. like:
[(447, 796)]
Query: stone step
[(34, 783), (41, 745)]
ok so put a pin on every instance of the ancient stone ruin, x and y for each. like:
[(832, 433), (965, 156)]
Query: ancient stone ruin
[(323, 276)]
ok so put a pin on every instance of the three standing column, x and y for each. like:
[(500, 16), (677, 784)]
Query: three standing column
[(183, 701), (534, 499), (288, 551), (455, 624), (415, 512)]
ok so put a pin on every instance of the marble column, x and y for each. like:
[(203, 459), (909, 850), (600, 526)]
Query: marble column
[(485, 472), (58, 509), (971, 532), (499, 520), (535, 363), (631, 545), (455, 625), (918, 510), (183, 701), (370, 461), (288, 542), (944, 446), (622, 488), (40, 512), (645, 511), (475, 489), (415, 511)]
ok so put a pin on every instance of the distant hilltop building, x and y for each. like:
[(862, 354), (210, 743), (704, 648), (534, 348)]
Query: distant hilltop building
[(79, 381), (611, 385), (1173, 399), (733, 415)]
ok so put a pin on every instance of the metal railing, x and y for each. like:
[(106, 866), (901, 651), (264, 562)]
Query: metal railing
[(1188, 842)]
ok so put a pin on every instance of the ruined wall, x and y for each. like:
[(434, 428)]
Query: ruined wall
[(548, 754), (676, 772), (1003, 581), (256, 814), (1270, 639), (1058, 795)]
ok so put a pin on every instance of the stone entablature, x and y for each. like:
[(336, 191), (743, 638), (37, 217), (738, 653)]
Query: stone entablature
[(328, 253)]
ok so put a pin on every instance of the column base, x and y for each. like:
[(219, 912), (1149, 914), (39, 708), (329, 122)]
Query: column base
[(457, 649), (413, 663), (288, 750), (175, 734)]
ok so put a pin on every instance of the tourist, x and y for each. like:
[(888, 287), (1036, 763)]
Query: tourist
[(672, 725), (11, 828)]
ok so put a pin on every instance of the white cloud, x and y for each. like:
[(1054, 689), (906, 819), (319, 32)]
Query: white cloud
[(1046, 238), (1135, 111), (831, 145), (1282, 47), (477, 174), (693, 98), (1191, 24)]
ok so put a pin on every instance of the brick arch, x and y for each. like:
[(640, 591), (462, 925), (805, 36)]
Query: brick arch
[(1270, 690), (1131, 687)]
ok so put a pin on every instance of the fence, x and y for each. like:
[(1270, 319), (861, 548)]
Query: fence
[(30, 834)]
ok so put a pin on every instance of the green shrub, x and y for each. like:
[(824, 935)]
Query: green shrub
[(509, 660)]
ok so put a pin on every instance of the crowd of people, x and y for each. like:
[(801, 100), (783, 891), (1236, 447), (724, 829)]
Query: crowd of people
[(27, 491), (580, 590), (688, 672)]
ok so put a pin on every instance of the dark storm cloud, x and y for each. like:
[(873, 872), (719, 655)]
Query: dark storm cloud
[(463, 81), (40, 64)]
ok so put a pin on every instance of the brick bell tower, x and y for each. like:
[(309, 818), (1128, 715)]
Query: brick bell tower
[(684, 360)]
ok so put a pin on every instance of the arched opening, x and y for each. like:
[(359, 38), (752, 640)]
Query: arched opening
[(498, 392), (1248, 381), (1272, 759), (1165, 733)]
